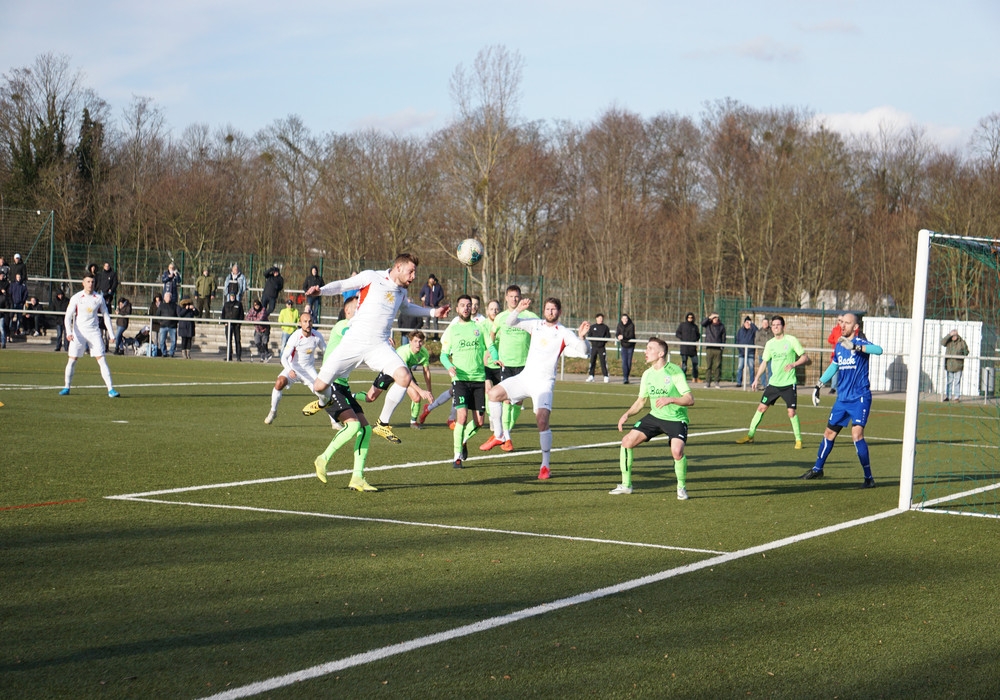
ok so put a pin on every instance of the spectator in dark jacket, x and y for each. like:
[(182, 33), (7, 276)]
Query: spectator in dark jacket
[(185, 329), (688, 334), (34, 323), (106, 283), (121, 324), (598, 335), (232, 311), (168, 326), (171, 281), (18, 267), (18, 295), (60, 304), (273, 284), (715, 335), (746, 356), (313, 279), (4, 305), (625, 333)]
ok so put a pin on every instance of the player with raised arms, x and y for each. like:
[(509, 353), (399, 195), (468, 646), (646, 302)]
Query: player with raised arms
[(667, 389), (463, 347), (783, 353), (854, 397), (538, 379), (83, 331), (367, 341)]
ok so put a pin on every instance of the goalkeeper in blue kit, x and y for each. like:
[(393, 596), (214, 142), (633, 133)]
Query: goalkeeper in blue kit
[(854, 397)]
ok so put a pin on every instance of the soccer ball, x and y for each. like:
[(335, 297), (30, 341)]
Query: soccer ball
[(470, 252)]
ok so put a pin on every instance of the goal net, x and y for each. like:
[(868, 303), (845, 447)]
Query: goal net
[(951, 433)]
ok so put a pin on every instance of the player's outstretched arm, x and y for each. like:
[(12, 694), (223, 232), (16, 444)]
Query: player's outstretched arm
[(636, 406)]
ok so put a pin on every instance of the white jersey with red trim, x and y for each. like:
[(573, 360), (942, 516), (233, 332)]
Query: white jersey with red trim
[(548, 342), (301, 350), (380, 300), (84, 312)]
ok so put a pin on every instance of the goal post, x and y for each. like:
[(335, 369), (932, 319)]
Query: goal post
[(951, 425)]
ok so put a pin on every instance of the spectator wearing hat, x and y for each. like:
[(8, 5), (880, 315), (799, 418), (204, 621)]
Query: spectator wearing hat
[(18, 268), (288, 317), (185, 327), (714, 335), (273, 284), (689, 335), (314, 279), (745, 336)]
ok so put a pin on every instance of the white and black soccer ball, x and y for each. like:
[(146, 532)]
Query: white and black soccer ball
[(470, 251)]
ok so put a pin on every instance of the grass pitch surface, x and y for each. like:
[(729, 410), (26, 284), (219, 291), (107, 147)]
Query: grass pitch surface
[(169, 544)]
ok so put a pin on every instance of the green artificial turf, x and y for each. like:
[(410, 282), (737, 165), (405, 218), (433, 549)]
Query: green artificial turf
[(270, 572)]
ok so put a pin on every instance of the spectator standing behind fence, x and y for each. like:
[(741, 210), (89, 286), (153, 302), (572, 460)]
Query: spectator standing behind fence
[(171, 281), (625, 332), (289, 320), (18, 295), (154, 321), (107, 284), (273, 284), (18, 267), (261, 333), (688, 334), (121, 324), (235, 284), (59, 305), (715, 333), (4, 305), (431, 295), (204, 292), (168, 325), (185, 327), (745, 336), (955, 350), (232, 310), (313, 279), (598, 347), (760, 340)]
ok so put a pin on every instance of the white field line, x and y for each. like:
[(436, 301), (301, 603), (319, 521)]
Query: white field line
[(53, 387), (390, 521), (534, 611), (953, 497)]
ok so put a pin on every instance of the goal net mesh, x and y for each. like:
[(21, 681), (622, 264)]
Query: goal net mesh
[(957, 453)]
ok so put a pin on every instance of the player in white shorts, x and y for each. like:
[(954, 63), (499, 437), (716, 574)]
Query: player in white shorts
[(538, 378), (83, 331), (382, 295), (298, 358)]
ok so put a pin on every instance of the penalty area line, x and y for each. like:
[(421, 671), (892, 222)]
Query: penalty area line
[(385, 652), (409, 523)]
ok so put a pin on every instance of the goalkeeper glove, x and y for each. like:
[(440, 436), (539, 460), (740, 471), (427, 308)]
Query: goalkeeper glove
[(815, 395)]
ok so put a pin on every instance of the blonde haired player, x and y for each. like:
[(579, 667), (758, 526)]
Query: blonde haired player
[(83, 331)]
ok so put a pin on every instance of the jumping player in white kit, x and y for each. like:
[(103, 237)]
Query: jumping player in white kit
[(83, 331), (366, 342), (538, 379)]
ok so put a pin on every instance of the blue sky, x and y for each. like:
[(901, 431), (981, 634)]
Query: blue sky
[(343, 65)]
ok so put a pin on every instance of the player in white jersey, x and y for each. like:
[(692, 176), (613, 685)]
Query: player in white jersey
[(83, 331), (548, 340), (298, 358), (383, 295)]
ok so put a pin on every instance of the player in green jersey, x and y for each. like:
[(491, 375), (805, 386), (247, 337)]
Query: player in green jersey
[(783, 353), (345, 408), (415, 355), (669, 396), (512, 346), (463, 347)]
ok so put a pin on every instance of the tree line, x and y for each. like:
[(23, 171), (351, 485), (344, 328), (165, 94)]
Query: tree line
[(764, 203)]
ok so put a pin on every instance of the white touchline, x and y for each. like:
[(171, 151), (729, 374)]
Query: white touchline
[(501, 620)]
